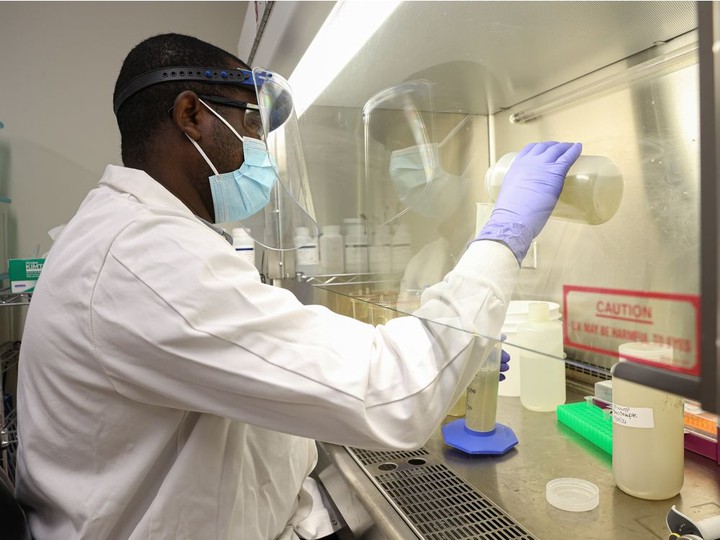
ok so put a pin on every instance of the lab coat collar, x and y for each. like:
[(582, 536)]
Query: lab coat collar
[(143, 187), (148, 191), (222, 232)]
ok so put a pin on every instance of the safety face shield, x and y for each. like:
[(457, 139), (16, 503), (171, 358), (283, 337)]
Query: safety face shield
[(290, 198), (407, 168), (291, 204)]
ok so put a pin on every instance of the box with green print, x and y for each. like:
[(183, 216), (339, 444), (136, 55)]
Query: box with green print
[(24, 273)]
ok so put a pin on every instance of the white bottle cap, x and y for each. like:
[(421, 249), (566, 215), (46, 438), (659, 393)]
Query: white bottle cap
[(538, 311), (518, 311), (302, 231), (646, 351), (572, 494)]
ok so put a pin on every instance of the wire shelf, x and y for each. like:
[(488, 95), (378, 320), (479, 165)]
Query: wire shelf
[(9, 355), (9, 299)]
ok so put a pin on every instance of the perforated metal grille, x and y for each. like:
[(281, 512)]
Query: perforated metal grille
[(369, 457), (434, 501)]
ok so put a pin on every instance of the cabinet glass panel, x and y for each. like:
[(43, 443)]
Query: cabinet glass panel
[(401, 141)]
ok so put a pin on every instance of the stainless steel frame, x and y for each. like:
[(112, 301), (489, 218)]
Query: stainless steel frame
[(709, 23), (705, 387)]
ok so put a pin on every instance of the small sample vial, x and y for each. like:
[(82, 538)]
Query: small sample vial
[(332, 248), (356, 246), (307, 256)]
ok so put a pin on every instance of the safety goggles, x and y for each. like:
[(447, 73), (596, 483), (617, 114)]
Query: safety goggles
[(251, 118)]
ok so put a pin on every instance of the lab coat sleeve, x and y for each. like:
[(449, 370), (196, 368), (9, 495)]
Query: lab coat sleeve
[(192, 327)]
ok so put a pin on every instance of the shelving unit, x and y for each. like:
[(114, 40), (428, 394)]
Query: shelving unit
[(9, 356)]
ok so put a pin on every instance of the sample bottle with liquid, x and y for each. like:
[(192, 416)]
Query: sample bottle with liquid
[(356, 246), (482, 393), (244, 244), (648, 432), (592, 192), (332, 258), (307, 256), (516, 314), (542, 368)]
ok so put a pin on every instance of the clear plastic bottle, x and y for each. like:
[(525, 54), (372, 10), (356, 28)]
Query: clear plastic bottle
[(307, 256), (592, 193), (332, 258), (517, 313), (380, 250), (648, 433), (401, 248), (542, 370), (244, 244), (356, 246)]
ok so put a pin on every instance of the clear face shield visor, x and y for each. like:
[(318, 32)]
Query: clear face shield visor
[(407, 168), (274, 120), (291, 204)]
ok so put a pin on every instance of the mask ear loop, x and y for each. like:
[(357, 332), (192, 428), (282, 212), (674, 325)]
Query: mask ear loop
[(207, 159), (196, 145), (242, 139)]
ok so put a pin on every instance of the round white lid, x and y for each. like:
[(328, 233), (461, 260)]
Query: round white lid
[(572, 494), (518, 310), (647, 351)]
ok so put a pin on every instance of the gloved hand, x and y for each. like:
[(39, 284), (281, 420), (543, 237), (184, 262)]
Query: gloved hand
[(529, 194), (504, 359)]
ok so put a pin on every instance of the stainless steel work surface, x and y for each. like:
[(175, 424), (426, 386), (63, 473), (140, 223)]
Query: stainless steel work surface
[(516, 481)]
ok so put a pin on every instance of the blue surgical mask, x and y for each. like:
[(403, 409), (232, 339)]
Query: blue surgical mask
[(241, 193), (422, 185)]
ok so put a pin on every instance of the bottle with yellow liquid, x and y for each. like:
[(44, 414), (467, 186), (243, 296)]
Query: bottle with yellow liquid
[(648, 432), (592, 192)]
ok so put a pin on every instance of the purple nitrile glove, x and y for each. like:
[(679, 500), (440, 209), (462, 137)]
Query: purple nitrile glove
[(529, 193), (504, 366)]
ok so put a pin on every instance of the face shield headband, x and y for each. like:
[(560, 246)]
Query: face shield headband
[(244, 78)]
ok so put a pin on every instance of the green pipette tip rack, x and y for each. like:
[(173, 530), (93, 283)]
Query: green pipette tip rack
[(589, 421)]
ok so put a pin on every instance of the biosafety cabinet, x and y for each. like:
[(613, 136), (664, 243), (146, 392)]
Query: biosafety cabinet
[(441, 91)]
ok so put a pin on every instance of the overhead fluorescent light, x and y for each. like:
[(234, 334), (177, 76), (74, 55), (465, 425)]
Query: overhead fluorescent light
[(676, 59), (348, 27)]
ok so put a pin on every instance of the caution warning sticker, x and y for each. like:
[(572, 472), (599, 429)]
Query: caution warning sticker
[(600, 320)]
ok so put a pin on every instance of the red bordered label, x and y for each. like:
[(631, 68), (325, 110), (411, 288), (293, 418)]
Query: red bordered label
[(600, 320)]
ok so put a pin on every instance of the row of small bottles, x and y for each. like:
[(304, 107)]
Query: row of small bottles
[(352, 250)]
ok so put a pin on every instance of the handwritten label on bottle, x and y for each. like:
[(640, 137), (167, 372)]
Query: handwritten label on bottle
[(634, 417)]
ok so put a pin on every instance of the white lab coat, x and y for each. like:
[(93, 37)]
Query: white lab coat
[(166, 393)]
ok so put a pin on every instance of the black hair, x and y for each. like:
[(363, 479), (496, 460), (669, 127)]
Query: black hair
[(141, 115)]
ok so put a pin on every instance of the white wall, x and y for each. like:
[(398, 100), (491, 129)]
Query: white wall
[(58, 65)]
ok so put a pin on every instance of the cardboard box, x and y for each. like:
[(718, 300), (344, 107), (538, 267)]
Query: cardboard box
[(24, 274)]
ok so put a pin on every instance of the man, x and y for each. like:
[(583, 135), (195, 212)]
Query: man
[(166, 393)]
